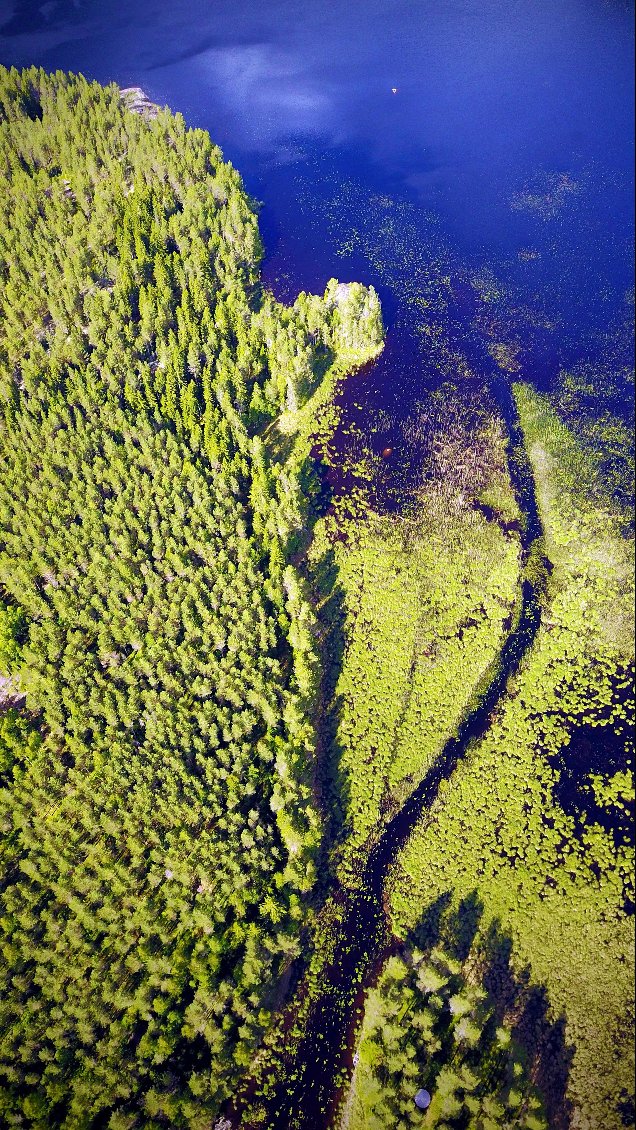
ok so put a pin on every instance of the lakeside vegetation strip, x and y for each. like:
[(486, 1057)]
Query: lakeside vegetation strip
[(427, 607), (302, 1063)]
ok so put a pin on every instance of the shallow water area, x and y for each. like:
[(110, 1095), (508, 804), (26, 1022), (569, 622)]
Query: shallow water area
[(505, 130), (471, 160)]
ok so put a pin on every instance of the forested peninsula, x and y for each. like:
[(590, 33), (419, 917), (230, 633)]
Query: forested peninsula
[(309, 809)]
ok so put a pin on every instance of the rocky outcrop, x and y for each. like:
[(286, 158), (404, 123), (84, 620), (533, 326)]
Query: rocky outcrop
[(136, 99), (10, 694)]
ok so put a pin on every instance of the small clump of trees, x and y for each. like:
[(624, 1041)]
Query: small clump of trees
[(430, 1024)]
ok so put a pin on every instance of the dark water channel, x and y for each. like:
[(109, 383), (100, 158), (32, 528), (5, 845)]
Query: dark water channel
[(306, 1098), (326, 1049), (393, 142)]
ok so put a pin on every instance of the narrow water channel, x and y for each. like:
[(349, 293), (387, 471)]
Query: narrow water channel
[(307, 1095)]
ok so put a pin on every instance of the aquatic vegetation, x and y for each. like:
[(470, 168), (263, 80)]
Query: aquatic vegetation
[(559, 880), (426, 606), (546, 195), (506, 355), (596, 404)]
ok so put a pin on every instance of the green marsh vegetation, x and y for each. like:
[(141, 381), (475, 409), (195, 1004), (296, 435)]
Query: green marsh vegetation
[(404, 587), (413, 610), (426, 603), (560, 880)]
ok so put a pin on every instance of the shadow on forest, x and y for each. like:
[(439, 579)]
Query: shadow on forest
[(328, 596), (515, 1000), (333, 784)]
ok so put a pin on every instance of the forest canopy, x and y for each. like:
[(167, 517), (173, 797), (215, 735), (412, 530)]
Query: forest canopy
[(157, 649)]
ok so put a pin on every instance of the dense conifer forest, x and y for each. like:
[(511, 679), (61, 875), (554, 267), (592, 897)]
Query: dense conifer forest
[(156, 733), (311, 803)]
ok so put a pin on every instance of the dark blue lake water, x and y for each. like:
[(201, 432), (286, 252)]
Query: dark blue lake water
[(403, 142)]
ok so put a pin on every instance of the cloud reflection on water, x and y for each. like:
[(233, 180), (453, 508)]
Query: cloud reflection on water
[(489, 93), (271, 94)]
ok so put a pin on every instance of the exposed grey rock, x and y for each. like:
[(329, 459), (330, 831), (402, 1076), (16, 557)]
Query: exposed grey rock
[(11, 696), (136, 100)]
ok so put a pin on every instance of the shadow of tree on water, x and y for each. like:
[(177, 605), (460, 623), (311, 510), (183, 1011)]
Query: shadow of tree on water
[(527, 1007)]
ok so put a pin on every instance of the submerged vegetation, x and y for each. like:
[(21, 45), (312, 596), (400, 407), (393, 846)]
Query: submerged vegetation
[(256, 634)]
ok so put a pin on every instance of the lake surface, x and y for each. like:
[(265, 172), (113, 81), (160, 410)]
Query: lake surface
[(403, 143), (471, 158)]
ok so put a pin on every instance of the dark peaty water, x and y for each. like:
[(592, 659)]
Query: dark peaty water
[(393, 141)]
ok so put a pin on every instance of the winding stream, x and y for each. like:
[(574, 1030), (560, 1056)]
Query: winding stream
[(507, 129), (307, 1096)]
